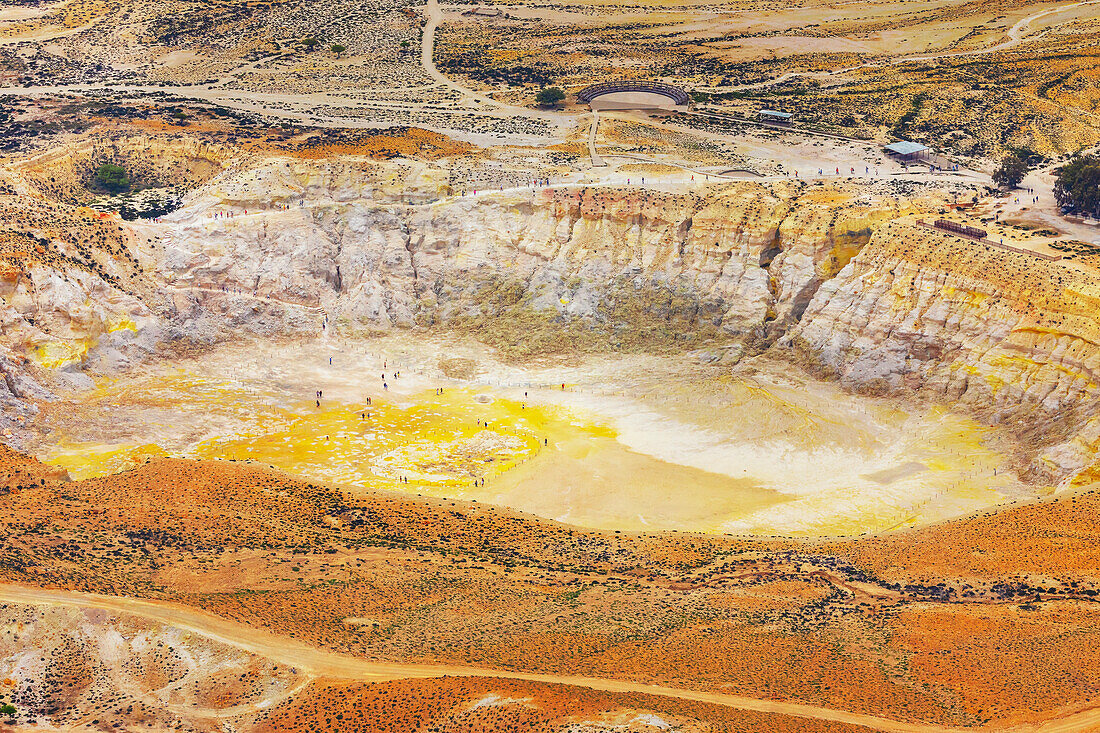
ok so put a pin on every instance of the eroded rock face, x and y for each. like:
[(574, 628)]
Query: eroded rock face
[(342, 239), (1008, 334), (275, 247)]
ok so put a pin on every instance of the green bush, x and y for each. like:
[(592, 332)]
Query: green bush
[(113, 178), (550, 96)]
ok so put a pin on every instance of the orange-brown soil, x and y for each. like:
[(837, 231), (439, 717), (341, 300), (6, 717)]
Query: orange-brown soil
[(407, 142), (848, 625), (473, 705), (63, 237), (1050, 544)]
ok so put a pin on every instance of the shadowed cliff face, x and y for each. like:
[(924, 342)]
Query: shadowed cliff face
[(274, 247), (738, 261), (1009, 335)]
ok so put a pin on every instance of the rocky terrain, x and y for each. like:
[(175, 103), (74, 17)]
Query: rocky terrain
[(355, 377), (1009, 334), (837, 277)]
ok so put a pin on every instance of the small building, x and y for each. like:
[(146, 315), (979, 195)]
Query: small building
[(775, 117), (907, 150)]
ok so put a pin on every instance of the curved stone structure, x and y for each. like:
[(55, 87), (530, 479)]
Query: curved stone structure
[(677, 95)]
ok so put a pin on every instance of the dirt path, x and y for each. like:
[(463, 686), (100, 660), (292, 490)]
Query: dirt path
[(434, 15), (246, 296), (1046, 209), (597, 161), (323, 663), (1015, 34)]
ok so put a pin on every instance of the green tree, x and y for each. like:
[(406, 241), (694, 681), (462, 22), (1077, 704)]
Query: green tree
[(113, 178), (550, 96), (1078, 184), (310, 43), (1010, 172), (8, 710), (337, 49)]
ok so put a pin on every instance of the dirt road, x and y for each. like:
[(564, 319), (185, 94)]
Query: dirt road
[(323, 663), (1016, 36)]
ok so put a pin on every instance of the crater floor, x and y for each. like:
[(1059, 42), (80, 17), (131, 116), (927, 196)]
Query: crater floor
[(625, 442)]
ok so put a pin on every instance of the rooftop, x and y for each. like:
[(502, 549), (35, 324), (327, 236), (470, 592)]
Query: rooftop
[(905, 147)]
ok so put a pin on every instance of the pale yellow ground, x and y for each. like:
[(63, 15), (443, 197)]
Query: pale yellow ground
[(630, 443)]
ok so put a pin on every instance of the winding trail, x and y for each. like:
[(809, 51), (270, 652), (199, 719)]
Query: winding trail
[(434, 15), (1016, 36), (323, 663)]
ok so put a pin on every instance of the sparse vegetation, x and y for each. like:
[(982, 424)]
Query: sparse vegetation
[(331, 173)]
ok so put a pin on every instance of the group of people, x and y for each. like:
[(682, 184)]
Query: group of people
[(535, 183), (851, 171), (365, 414)]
